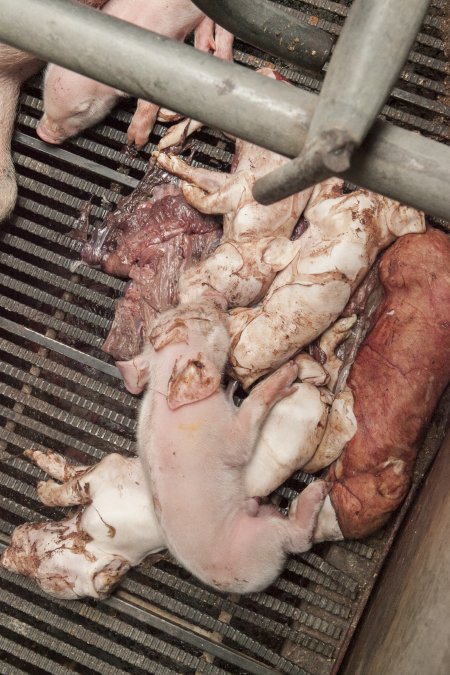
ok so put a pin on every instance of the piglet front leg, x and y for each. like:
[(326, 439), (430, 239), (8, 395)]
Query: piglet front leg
[(207, 180), (55, 465), (208, 191), (142, 123), (74, 487)]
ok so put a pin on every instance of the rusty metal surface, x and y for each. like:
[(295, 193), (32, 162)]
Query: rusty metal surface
[(161, 619)]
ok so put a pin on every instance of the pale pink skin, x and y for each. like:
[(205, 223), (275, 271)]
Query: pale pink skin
[(73, 102), (195, 458), (15, 68)]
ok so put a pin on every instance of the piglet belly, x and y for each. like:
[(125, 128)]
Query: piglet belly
[(179, 461)]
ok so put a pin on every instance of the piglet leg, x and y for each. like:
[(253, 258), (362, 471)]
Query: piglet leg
[(177, 134), (204, 35), (303, 515), (207, 180), (55, 465), (142, 123), (259, 403), (253, 553), (209, 37), (223, 41), (73, 492), (226, 199)]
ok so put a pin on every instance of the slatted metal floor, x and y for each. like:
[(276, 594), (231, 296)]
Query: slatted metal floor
[(58, 390)]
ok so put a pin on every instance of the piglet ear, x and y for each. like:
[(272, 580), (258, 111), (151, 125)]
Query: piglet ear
[(192, 381), (109, 575), (163, 334), (135, 372)]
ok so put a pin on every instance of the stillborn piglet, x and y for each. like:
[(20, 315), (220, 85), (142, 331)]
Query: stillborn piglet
[(88, 552), (194, 445)]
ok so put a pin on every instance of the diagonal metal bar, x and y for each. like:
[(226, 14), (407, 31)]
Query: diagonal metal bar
[(372, 48), (402, 165), (270, 28)]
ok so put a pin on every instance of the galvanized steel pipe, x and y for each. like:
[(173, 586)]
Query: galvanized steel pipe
[(371, 50), (404, 165), (269, 27)]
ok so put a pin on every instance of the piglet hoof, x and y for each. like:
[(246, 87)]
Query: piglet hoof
[(110, 576), (138, 133), (304, 509), (163, 159), (72, 493), (130, 150)]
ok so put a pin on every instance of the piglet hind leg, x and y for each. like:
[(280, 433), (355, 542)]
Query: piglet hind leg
[(303, 515), (207, 180), (265, 394), (256, 407), (254, 554), (74, 488)]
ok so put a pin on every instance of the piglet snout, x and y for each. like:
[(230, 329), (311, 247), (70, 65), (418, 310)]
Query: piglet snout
[(49, 132)]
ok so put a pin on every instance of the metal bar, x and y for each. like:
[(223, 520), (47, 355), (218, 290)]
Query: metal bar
[(413, 169), (82, 162), (130, 605), (371, 50), (126, 603), (271, 29), (59, 347)]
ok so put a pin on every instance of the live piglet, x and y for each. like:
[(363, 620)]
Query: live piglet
[(73, 102), (15, 68), (195, 444)]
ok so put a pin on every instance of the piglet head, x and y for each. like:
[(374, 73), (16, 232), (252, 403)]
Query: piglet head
[(72, 103), (59, 556), (201, 327)]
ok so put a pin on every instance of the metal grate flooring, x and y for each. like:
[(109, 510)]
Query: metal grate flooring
[(58, 390)]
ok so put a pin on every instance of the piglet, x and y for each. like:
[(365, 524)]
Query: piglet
[(194, 445), (15, 68), (87, 553), (73, 102)]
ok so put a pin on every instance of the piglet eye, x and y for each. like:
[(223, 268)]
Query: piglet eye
[(82, 109)]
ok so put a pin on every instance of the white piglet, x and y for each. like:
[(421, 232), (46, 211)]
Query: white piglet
[(195, 444), (73, 102)]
